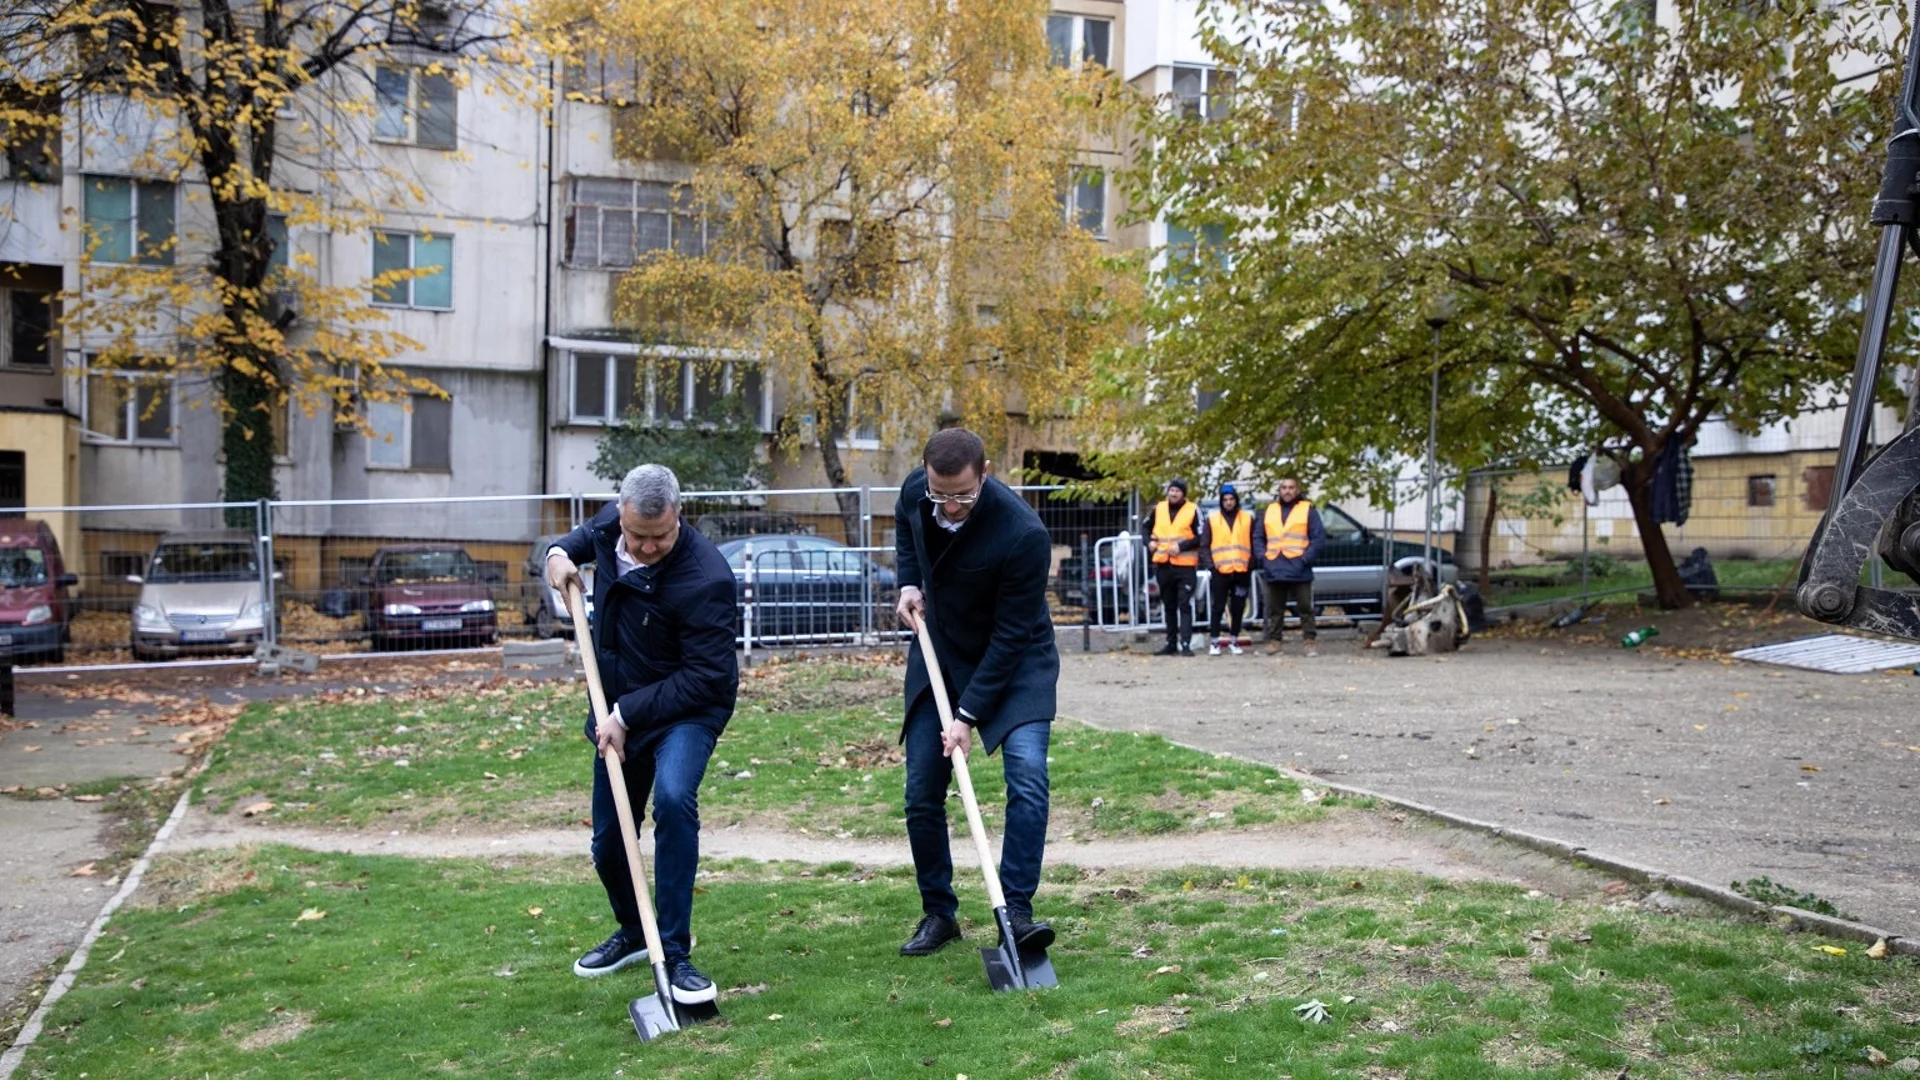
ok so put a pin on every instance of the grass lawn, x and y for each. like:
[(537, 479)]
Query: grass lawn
[(1559, 580), (812, 745), (276, 963)]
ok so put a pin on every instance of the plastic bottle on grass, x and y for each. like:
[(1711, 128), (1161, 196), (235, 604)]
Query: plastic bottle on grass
[(1635, 637)]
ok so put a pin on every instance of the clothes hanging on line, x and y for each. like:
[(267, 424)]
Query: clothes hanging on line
[(1673, 484)]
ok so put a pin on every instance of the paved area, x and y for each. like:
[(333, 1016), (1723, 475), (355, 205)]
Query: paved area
[(1720, 771)]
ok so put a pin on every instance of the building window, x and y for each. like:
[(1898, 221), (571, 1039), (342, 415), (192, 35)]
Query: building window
[(1760, 491), (1202, 93), (1818, 481), (27, 315), (607, 388), (863, 421), (1077, 39), (281, 255), (31, 150), (414, 106), (1085, 201), (414, 434), (1186, 248), (129, 221), (129, 407), (614, 223), (431, 289)]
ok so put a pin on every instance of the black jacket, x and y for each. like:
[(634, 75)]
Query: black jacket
[(987, 610), (663, 634)]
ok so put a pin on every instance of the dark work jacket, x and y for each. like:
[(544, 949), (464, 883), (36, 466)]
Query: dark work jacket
[(1282, 568), (663, 634), (986, 593)]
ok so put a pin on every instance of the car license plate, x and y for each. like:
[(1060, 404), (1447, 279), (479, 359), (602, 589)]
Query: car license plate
[(203, 635), (439, 624), (6, 640)]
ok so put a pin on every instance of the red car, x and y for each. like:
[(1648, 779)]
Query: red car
[(34, 606), (427, 595)]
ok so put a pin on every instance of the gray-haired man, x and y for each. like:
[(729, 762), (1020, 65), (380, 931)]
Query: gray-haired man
[(663, 607)]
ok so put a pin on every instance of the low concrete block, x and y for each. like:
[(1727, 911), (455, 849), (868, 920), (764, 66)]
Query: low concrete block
[(551, 652), (1832, 927)]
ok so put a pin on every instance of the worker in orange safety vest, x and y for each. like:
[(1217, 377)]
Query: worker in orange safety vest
[(1230, 558), (1286, 542), (1175, 543)]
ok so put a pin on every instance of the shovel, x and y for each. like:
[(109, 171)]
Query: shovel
[(1008, 967), (657, 1013)]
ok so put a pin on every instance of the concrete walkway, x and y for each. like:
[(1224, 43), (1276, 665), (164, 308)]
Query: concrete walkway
[(1719, 771)]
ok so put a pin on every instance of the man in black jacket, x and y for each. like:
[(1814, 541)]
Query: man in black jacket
[(975, 558), (663, 608)]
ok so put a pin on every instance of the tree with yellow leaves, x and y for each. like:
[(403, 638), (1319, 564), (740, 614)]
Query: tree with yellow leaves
[(883, 187), (266, 108)]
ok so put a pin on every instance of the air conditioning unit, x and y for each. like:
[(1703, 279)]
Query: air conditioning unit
[(281, 309)]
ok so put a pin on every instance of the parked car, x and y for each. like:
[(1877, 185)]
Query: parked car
[(35, 609), (201, 593), (427, 594), (1070, 585), (726, 526), (545, 608), (809, 585)]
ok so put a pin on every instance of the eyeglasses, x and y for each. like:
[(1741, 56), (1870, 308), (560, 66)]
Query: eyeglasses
[(939, 499)]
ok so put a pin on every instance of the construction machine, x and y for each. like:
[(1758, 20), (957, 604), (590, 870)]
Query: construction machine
[(1876, 503)]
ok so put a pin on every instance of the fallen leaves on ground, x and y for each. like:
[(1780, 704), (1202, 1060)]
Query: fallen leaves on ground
[(85, 869), (311, 915), (256, 809)]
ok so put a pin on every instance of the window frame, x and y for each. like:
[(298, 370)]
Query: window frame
[(411, 109), (857, 437), (129, 409), (648, 393), (373, 255), (674, 206), (1768, 482), (405, 436), (1210, 75), (1070, 207), (1077, 34), (7, 343), (138, 253)]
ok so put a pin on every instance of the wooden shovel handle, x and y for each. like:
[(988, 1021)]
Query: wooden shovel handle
[(974, 824), (616, 776)]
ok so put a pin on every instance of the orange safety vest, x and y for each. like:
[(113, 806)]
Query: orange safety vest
[(1287, 534), (1180, 528), (1232, 546)]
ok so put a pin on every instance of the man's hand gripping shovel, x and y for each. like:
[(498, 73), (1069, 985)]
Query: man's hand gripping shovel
[(1008, 967), (657, 1013)]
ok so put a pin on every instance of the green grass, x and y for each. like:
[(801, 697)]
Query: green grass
[(461, 968), (812, 745), (1561, 580)]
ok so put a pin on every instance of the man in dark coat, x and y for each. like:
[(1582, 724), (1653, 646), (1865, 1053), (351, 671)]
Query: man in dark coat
[(1287, 541), (974, 558), (663, 613)]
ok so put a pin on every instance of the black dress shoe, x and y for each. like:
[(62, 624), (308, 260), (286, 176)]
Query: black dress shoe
[(1030, 936), (1169, 649), (933, 932)]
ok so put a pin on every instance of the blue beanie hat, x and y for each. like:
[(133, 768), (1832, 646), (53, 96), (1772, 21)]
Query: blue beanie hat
[(1228, 489)]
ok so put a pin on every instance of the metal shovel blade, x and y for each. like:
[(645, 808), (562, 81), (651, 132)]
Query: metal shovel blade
[(652, 1017), (1012, 968), (1038, 969)]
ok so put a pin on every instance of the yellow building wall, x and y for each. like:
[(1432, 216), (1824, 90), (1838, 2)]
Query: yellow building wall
[(1724, 518), (51, 442)]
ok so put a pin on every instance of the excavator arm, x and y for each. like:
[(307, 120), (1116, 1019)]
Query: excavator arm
[(1876, 510)]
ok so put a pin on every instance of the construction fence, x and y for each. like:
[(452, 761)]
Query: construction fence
[(813, 567)]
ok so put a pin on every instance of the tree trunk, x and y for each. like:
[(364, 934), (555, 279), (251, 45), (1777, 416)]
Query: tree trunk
[(1667, 586), (829, 428), (247, 438), (1486, 535)]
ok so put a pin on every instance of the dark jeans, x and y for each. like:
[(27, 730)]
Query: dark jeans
[(671, 767), (1023, 761), (1279, 593), (1176, 596), (1229, 596)]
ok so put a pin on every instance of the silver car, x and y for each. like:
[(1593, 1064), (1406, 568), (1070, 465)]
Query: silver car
[(201, 594)]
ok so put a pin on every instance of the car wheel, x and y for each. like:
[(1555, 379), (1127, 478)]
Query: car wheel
[(544, 623), (55, 655), (381, 643), (142, 656)]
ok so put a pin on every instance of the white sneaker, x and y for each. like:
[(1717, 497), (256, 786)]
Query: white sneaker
[(1233, 647), (1213, 648)]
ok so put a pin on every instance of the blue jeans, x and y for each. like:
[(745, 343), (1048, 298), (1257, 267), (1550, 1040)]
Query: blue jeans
[(671, 767), (1023, 760)]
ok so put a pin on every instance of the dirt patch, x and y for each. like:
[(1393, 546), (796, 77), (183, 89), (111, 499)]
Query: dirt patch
[(286, 1027), (1707, 631), (1154, 1020)]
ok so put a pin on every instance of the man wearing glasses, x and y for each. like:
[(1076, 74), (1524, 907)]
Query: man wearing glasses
[(974, 557)]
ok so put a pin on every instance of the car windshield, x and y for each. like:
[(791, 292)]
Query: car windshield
[(427, 567), (175, 563), (22, 567)]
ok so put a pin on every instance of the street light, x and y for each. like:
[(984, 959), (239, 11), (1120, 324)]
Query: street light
[(1438, 316)]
